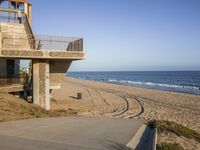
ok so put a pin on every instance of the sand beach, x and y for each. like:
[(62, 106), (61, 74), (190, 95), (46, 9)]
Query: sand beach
[(118, 101)]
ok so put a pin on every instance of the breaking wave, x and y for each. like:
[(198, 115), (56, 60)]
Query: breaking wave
[(139, 83)]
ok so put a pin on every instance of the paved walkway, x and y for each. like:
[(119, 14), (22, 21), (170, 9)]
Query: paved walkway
[(67, 133)]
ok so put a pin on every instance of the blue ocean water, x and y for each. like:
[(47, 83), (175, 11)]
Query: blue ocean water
[(178, 81)]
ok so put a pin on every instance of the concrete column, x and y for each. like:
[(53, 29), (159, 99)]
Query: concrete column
[(35, 74), (41, 83), (47, 86)]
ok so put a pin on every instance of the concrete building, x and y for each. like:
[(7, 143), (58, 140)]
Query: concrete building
[(50, 56)]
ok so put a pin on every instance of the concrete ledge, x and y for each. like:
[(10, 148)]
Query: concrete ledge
[(136, 139), (145, 138), (41, 54)]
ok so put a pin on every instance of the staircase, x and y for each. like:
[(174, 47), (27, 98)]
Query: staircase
[(14, 36)]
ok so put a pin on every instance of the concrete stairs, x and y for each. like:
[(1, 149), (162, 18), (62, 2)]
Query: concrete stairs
[(14, 36)]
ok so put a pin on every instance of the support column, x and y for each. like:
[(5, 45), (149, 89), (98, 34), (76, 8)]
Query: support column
[(41, 83)]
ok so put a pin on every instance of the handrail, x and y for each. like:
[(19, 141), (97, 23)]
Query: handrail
[(31, 37)]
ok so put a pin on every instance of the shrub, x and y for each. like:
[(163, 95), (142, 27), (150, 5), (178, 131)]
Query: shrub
[(178, 129), (169, 146)]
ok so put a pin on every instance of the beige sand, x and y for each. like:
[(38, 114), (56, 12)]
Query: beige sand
[(118, 101)]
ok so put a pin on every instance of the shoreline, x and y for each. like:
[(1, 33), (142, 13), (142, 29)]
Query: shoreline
[(177, 81), (120, 101), (135, 86)]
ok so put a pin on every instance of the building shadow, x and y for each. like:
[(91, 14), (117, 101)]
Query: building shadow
[(76, 98), (146, 141)]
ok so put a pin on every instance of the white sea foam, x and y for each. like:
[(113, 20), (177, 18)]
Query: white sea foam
[(129, 82), (81, 78)]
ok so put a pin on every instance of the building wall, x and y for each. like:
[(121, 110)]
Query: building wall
[(3, 67)]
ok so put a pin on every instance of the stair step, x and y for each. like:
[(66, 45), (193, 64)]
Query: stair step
[(14, 36)]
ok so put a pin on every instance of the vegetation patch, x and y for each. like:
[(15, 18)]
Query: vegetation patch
[(169, 146), (178, 129), (13, 108), (63, 112)]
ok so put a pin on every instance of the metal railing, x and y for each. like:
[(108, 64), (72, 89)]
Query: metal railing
[(40, 42), (34, 41), (29, 31), (46, 42)]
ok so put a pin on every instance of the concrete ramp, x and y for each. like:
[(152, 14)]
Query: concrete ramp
[(68, 133)]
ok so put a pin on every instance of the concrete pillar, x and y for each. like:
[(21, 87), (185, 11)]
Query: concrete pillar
[(35, 74), (41, 83)]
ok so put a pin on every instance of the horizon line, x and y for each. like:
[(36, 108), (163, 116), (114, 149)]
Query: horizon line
[(136, 71)]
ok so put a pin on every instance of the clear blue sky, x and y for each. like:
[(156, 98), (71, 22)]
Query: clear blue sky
[(126, 34)]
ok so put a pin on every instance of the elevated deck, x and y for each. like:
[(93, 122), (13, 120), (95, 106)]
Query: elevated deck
[(26, 46), (18, 41), (50, 56)]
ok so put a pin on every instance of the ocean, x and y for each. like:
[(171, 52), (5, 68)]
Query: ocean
[(178, 81)]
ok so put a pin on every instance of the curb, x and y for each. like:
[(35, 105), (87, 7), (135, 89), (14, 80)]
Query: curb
[(145, 138), (136, 138), (154, 139)]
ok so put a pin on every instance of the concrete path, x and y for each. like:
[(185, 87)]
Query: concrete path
[(68, 133)]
